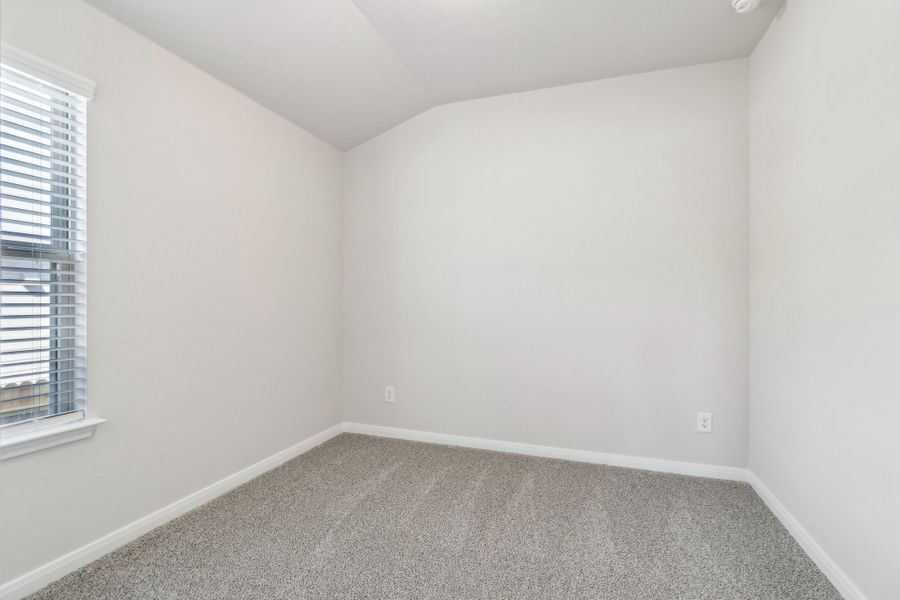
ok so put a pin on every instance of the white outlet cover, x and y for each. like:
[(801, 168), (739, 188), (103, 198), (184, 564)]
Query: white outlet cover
[(389, 394), (704, 422)]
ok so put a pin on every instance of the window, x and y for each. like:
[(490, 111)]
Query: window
[(42, 245)]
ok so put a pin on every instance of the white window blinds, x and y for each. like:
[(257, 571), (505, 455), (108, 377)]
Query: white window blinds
[(42, 248)]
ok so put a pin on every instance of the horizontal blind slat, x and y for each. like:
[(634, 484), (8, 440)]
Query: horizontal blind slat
[(59, 162), (24, 171), (34, 190), (37, 374), (31, 166), (44, 118), (15, 107), (73, 214), (50, 226), (33, 340), (29, 387), (76, 152), (37, 397), (36, 129), (38, 327)]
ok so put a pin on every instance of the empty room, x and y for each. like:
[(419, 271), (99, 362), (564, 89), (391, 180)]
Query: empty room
[(450, 299)]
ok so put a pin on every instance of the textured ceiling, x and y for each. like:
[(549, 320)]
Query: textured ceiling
[(347, 70)]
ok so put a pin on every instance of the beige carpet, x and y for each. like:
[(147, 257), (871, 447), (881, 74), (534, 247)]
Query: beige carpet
[(363, 517)]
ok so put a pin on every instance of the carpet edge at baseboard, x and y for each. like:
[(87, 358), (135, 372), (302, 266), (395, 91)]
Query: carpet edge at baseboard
[(30, 582), (838, 578), (816, 553), (34, 580), (600, 458)]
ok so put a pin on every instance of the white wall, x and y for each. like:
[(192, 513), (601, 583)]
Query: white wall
[(214, 288), (564, 267), (825, 255)]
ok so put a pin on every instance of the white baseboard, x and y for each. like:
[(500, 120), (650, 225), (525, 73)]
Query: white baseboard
[(34, 580), (602, 458), (818, 555), (829, 568)]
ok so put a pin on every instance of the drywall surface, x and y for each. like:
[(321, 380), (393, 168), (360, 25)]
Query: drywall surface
[(565, 267), (214, 288), (350, 69), (825, 278)]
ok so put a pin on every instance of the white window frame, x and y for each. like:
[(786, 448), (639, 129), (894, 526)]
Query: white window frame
[(38, 434)]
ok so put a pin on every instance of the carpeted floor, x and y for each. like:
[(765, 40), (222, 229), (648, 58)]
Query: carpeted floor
[(362, 517)]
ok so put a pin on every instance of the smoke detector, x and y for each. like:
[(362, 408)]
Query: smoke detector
[(745, 6)]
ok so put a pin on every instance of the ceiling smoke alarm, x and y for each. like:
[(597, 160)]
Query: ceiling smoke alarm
[(745, 6)]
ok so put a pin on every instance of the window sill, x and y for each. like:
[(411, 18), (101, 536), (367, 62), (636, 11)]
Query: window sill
[(41, 439)]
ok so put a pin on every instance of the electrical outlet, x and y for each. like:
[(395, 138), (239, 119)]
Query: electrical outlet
[(704, 422), (389, 394)]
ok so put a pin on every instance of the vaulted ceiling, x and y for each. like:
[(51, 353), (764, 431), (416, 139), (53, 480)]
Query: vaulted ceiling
[(346, 70)]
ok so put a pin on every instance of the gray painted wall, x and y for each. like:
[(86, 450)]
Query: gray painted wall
[(565, 267), (825, 256)]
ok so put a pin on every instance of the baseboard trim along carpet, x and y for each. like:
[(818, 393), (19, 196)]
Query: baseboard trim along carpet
[(34, 580), (599, 458), (829, 568)]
